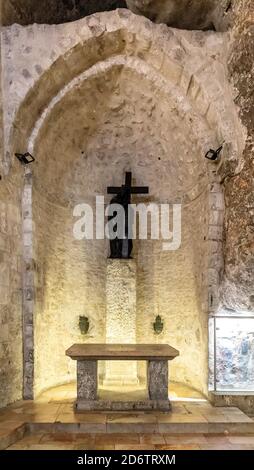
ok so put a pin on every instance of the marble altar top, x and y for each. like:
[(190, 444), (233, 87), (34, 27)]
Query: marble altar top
[(122, 352)]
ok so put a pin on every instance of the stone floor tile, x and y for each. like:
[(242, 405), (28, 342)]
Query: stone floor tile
[(131, 418), (90, 428), (34, 407), (84, 438), (134, 447), (10, 434), (241, 439), (83, 428), (242, 447), (215, 446), (152, 439), (38, 428), (185, 439), (48, 446), (65, 441), (199, 408), (214, 418), (92, 446), (31, 439), (145, 428), (18, 446), (16, 431), (183, 428), (179, 409), (179, 418), (59, 437), (8, 426), (177, 447), (216, 439), (9, 416), (72, 417), (230, 409), (231, 428), (237, 418), (36, 413), (103, 439)]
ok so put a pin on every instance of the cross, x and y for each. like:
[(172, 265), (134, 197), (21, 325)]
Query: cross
[(123, 248), (127, 185)]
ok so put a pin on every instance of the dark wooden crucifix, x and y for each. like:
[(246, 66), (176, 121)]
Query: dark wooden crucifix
[(122, 247)]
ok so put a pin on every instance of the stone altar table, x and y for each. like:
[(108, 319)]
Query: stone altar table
[(156, 356)]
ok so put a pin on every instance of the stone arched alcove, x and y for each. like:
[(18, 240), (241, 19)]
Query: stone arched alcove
[(118, 126), (123, 93)]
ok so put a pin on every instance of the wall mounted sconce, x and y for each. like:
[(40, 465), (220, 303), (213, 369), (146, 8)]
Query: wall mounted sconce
[(213, 155), (158, 325), (84, 325), (25, 158)]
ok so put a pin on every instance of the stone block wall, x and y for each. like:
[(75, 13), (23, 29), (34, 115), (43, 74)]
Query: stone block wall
[(237, 290), (68, 284), (10, 280), (28, 285), (237, 176), (10, 296)]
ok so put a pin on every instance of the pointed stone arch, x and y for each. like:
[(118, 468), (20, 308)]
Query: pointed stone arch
[(176, 64)]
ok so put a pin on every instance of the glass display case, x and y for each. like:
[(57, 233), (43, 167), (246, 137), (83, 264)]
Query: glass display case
[(233, 353)]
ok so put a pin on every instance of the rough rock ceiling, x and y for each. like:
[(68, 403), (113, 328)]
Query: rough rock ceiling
[(48, 11), (185, 14)]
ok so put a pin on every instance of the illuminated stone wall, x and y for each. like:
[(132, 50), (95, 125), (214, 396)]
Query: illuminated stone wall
[(10, 293), (113, 93), (10, 280), (233, 348), (72, 274)]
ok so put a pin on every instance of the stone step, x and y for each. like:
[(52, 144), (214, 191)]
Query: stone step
[(146, 428), (14, 433)]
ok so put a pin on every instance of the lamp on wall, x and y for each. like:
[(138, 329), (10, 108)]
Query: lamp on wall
[(84, 325), (214, 154), (158, 325), (25, 158)]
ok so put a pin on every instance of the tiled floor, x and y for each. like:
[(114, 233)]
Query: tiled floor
[(44, 441), (50, 423)]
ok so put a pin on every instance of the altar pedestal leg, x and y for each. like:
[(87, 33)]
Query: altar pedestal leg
[(157, 380), (87, 380)]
